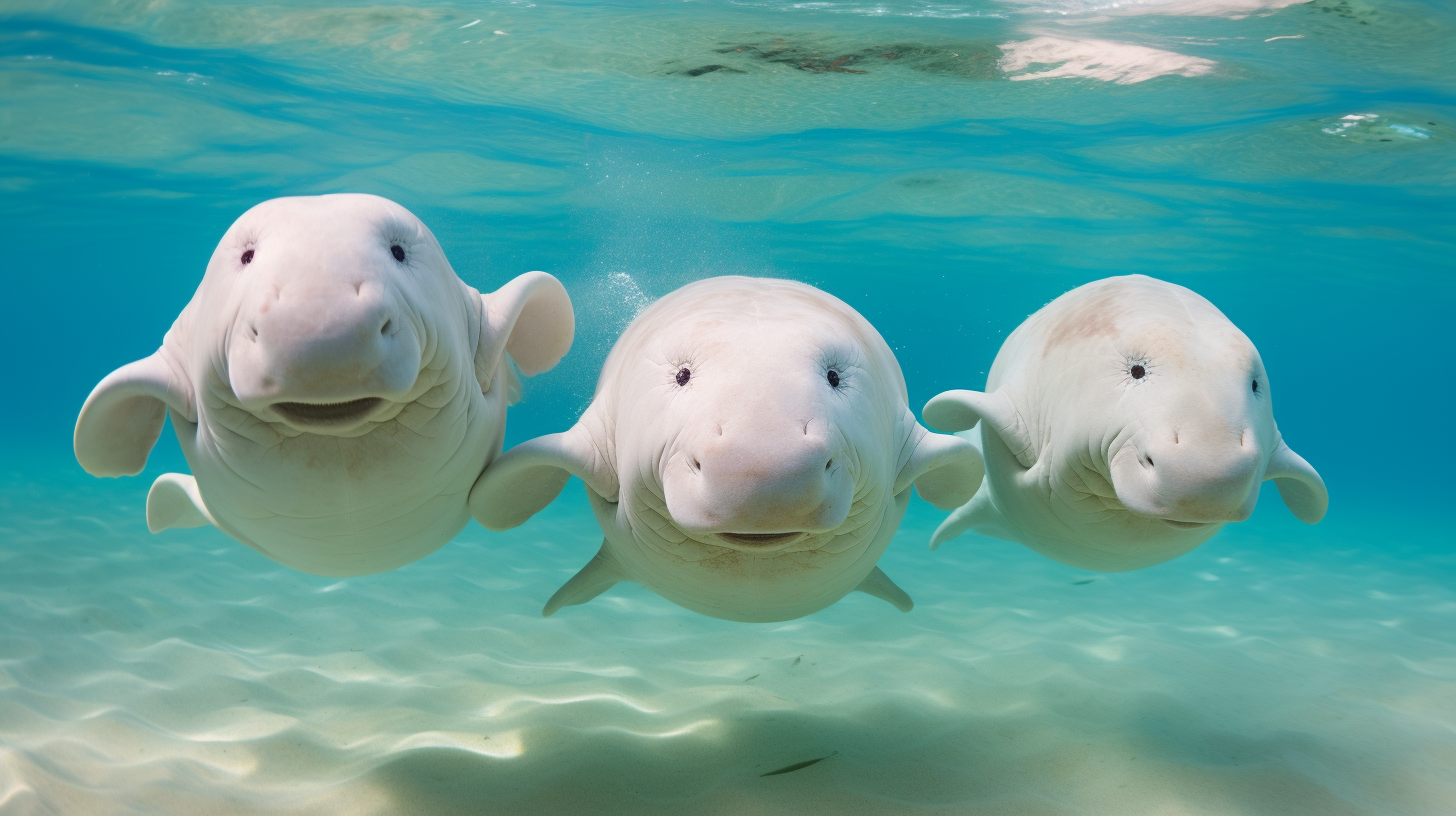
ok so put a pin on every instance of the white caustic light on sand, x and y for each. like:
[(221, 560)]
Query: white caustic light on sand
[(1123, 425), (749, 453), (335, 387)]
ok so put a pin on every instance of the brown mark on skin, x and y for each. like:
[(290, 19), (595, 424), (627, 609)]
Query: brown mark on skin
[(1165, 343), (1096, 317), (731, 561), (740, 566), (360, 460)]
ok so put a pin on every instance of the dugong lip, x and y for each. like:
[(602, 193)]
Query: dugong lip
[(326, 414), (759, 540), (1185, 525)]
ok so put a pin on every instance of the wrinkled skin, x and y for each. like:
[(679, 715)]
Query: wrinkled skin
[(748, 454), (1123, 425), (335, 387)]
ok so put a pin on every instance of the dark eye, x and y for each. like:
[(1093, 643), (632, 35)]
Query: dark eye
[(1256, 386), (398, 252), (248, 256), (833, 378), (1138, 372), (683, 375)]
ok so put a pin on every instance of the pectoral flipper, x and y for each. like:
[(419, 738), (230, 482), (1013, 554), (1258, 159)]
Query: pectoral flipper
[(979, 514), (174, 501)]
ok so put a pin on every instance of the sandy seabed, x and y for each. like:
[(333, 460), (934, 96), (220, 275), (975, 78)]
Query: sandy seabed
[(1274, 671)]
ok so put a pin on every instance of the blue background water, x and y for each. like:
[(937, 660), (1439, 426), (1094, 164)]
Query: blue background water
[(940, 196)]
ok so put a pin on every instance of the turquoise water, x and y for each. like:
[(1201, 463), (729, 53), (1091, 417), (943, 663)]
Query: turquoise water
[(946, 168)]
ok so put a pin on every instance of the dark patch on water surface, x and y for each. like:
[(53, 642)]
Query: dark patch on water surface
[(1341, 8), (971, 60), (708, 69), (798, 766)]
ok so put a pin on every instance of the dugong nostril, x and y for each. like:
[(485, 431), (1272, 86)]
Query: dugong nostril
[(829, 464)]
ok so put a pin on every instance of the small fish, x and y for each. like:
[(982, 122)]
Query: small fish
[(797, 766), (746, 679), (1083, 581), (796, 661)]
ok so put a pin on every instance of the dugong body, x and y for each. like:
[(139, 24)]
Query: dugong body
[(336, 389), (1122, 425), (748, 454)]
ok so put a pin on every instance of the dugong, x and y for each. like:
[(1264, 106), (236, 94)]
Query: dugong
[(336, 389), (748, 453), (1123, 424)]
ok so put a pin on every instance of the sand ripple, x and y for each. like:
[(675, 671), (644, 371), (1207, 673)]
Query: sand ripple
[(1291, 673)]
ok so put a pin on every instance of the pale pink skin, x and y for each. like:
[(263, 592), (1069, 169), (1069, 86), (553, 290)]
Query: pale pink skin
[(753, 489), (1098, 467), (335, 404)]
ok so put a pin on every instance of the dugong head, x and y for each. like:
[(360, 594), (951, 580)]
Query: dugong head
[(761, 415), (1146, 388), (750, 451), (1180, 396), (325, 309)]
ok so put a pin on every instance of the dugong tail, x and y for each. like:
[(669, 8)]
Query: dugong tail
[(979, 514)]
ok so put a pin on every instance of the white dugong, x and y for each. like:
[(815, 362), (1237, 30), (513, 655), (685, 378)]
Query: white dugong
[(748, 454), (336, 389), (1123, 424)]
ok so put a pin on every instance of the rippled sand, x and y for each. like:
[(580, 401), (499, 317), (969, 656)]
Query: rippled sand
[(1272, 672)]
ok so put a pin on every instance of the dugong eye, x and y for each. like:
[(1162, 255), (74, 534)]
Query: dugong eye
[(1256, 386), (248, 257), (1137, 372), (398, 252), (683, 375), (833, 378)]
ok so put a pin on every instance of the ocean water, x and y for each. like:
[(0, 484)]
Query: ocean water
[(944, 167)]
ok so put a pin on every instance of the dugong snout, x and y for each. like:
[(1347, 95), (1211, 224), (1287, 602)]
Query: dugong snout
[(750, 489), (1190, 479), (324, 354)]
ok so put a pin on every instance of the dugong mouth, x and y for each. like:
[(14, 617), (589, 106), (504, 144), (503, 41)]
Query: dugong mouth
[(759, 540), (1185, 525), (327, 414)]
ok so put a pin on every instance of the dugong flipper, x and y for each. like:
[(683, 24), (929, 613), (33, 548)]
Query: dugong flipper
[(174, 501), (335, 387), (749, 453), (879, 585), (979, 514), (122, 419), (1301, 488), (1122, 425), (599, 575)]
